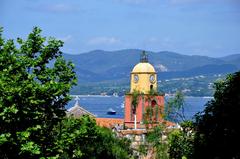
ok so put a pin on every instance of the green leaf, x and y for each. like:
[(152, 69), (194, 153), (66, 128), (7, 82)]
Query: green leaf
[(30, 147), (4, 138)]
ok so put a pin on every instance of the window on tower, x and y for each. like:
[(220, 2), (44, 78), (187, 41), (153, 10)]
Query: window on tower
[(151, 87), (153, 103)]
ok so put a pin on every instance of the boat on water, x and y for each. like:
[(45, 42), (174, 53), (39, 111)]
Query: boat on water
[(111, 112), (115, 94)]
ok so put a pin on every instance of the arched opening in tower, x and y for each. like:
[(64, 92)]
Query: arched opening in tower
[(151, 87), (153, 103)]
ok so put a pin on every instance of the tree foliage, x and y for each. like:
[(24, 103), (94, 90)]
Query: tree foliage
[(135, 97), (174, 109), (181, 141), (82, 138), (157, 141), (34, 83), (217, 127)]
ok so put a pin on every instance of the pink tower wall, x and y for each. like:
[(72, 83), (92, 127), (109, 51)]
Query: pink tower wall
[(143, 103)]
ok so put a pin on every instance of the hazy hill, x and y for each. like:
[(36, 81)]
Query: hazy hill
[(99, 65), (232, 59)]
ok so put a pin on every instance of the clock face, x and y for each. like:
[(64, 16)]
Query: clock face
[(152, 78), (135, 77)]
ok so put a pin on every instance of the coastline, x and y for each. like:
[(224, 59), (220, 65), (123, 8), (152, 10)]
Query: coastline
[(172, 95)]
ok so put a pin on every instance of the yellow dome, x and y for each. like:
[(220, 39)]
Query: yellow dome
[(143, 67)]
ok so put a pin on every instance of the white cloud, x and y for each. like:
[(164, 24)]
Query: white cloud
[(152, 40), (103, 41), (66, 38), (183, 1), (180, 2), (59, 8), (136, 1), (177, 2)]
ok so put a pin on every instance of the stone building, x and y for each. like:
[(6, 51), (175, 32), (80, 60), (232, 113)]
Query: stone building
[(77, 111)]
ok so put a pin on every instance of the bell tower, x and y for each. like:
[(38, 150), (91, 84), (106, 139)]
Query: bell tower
[(143, 96), (143, 76)]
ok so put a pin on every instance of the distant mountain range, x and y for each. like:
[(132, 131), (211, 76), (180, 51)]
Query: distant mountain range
[(98, 66)]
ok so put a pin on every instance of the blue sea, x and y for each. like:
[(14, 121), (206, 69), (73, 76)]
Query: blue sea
[(99, 105)]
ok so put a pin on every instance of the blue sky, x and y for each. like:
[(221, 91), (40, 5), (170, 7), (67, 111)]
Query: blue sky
[(192, 27)]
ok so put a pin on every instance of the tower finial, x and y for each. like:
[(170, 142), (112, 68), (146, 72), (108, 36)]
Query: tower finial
[(77, 100), (144, 57)]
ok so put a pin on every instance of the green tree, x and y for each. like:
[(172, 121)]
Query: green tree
[(217, 127), (34, 83), (82, 138), (135, 97), (174, 109), (181, 141), (156, 141)]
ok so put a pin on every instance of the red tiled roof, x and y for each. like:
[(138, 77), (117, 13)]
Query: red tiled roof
[(109, 122), (169, 123)]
